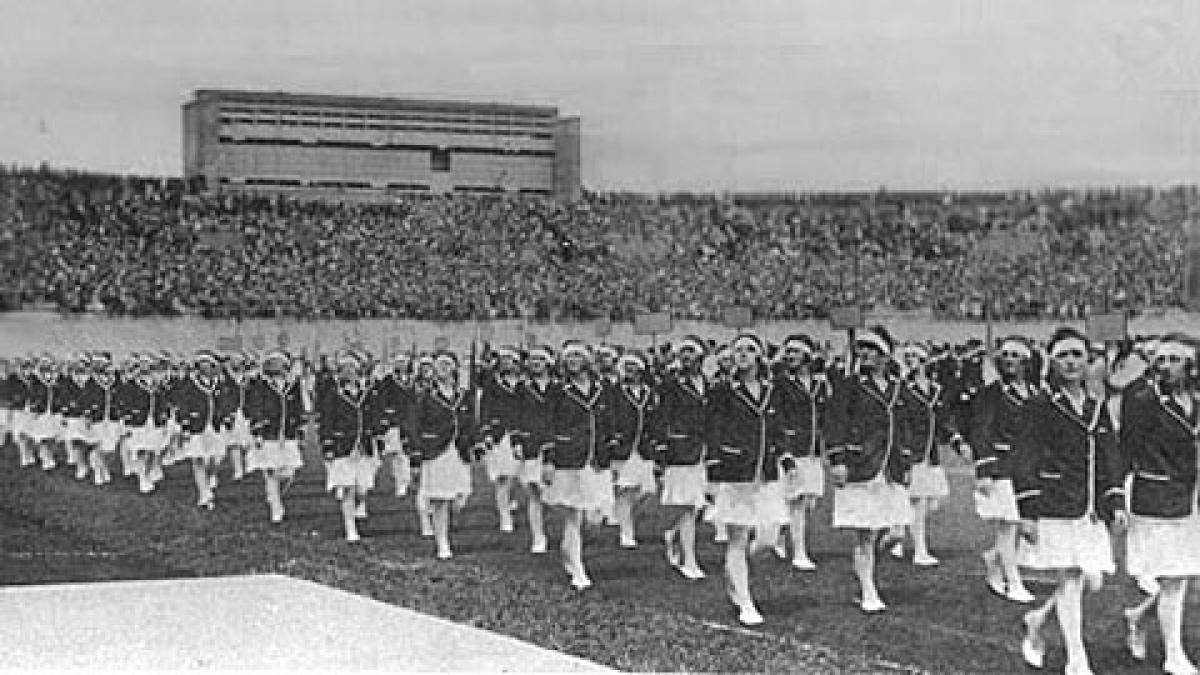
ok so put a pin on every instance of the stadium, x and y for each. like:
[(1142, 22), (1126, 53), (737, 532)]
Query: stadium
[(447, 354)]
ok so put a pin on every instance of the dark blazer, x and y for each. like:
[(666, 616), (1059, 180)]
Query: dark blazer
[(581, 425), (926, 422), (632, 419), (68, 400), (196, 406), (535, 422), (346, 423), (100, 402), (999, 418), (138, 403), (742, 439), (439, 422), (681, 423), (863, 416), (499, 406), (231, 397), (1159, 441), (1067, 465), (41, 394), (801, 416), (275, 414), (397, 402)]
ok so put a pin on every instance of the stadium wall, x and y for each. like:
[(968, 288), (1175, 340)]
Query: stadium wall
[(30, 331)]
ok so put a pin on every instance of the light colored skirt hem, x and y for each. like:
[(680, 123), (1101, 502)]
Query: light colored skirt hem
[(874, 505), (1163, 547), (1066, 544), (754, 504), (355, 471), (274, 456), (684, 486), (447, 477)]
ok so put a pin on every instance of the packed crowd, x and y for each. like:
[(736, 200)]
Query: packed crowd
[(145, 246), (1072, 442)]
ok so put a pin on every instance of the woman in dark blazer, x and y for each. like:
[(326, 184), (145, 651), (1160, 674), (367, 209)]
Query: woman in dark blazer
[(1160, 428), (1069, 483), (744, 465)]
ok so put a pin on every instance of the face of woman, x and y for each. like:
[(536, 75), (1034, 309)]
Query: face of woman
[(1011, 360), (869, 357), (537, 366), (745, 355), (573, 362), (1070, 360), (795, 355), (445, 370), (914, 361), (1171, 363), (689, 357)]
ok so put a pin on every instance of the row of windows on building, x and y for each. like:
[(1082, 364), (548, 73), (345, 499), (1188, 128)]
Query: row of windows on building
[(258, 181), (491, 119), (410, 147), (337, 124)]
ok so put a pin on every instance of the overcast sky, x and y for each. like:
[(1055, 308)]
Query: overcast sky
[(674, 94)]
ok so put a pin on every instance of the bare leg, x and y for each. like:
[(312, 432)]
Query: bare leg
[(799, 527), (1170, 620), (919, 529), (204, 493), (345, 496), (1070, 619), (274, 500), (504, 502), (572, 548), (737, 571), (864, 569), (537, 524)]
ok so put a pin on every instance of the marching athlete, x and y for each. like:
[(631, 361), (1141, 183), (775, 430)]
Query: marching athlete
[(870, 467), (634, 405), (535, 434), (348, 419), (1069, 482), (1000, 418), (1160, 434), (578, 461), (69, 404), (499, 411), (445, 441), (745, 456), (680, 431), (239, 372), (100, 408), (275, 411), (144, 410), (45, 425), (925, 426), (196, 404), (801, 418)]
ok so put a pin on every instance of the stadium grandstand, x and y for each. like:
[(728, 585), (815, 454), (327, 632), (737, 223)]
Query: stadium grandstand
[(370, 148), (138, 246)]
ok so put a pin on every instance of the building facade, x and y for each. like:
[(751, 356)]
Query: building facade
[(376, 148)]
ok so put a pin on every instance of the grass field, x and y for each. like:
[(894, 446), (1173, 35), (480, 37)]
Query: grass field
[(640, 615)]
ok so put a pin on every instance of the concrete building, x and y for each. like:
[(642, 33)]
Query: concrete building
[(353, 147)]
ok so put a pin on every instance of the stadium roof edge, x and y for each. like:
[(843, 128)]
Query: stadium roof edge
[(380, 102)]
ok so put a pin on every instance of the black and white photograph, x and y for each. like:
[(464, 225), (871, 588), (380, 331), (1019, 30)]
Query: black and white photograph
[(783, 336)]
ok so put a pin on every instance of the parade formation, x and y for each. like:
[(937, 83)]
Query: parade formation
[(1072, 441)]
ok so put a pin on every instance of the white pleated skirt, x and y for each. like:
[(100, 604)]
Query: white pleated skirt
[(635, 472), (355, 471), (239, 433), (147, 438), (18, 422), (1000, 503), (208, 444), (105, 435), (685, 486), (447, 477), (77, 429), (808, 480), (1163, 547), (44, 427), (877, 504), (530, 472), (588, 489), (1066, 544), (755, 504), (928, 481), (274, 456), (500, 462)]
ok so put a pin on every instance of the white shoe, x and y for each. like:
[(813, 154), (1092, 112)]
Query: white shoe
[(506, 523), (804, 564), (872, 607), (212, 482), (1020, 594), (580, 582), (780, 551), (444, 555), (628, 543), (352, 538), (81, 473), (360, 511), (538, 546), (692, 573), (277, 516), (993, 575), (749, 616), (1033, 647), (1135, 636), (670, 549), (896, 550), (1077, 669), (925, 560), (1179, 666)]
